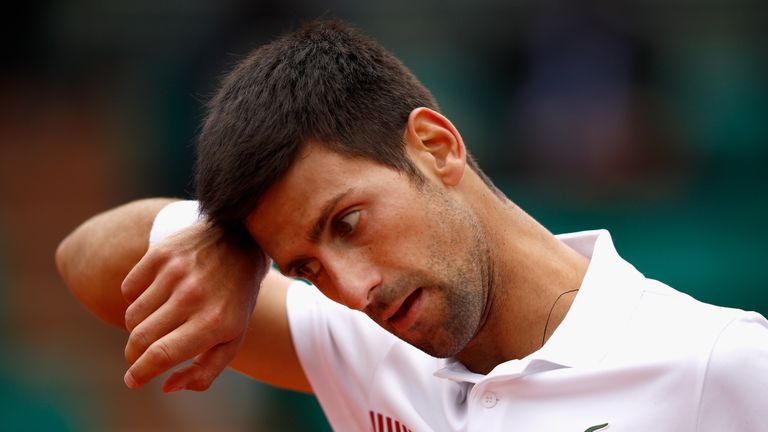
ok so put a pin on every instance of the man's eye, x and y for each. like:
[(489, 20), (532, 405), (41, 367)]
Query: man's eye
[(307, 270), (347, 224)]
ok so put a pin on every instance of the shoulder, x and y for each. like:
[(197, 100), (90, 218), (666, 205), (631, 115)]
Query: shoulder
[(740, 348), (670, 323), (736, 377)]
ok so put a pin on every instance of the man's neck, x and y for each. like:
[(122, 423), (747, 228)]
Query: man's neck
[(531, 269)]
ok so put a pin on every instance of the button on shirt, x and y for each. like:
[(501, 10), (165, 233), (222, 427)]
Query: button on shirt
[(632, 354)]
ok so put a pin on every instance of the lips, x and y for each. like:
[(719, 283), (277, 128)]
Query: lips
[(401, 317)]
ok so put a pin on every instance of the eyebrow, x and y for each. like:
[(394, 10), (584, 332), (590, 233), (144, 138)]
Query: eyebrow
[(318, 227)]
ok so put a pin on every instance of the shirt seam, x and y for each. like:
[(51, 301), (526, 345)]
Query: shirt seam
[(349, 419), (707, 370), (375, 372)]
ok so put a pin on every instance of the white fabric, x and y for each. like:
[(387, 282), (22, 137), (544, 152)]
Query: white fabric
[(631, 352), (173, 218)]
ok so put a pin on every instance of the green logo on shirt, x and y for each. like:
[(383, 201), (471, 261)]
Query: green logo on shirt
[(597, 427)]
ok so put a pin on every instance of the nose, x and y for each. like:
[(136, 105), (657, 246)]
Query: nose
[(352, 278)]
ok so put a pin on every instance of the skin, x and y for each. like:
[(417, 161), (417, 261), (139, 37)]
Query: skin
[(377, 248), (476, 274), (177, 303), (487, 271)]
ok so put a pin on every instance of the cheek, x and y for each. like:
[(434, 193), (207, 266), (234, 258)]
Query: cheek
[(398, 225), (404, 223), (394, 240)]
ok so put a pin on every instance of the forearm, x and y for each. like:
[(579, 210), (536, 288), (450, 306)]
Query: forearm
[(95, 258), (191, 296)]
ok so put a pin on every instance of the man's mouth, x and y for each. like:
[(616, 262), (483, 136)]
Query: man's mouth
[(402, 319)]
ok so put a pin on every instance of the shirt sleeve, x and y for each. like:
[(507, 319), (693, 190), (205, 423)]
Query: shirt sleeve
[(339, 350), (173, 218), (736, 380)]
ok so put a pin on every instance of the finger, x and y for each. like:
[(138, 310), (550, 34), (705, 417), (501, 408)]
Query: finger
[(200, 374), (152, 298), (142, 274), (178, 346), (161, 322)]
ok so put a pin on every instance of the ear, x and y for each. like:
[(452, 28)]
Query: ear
[(435, 145)]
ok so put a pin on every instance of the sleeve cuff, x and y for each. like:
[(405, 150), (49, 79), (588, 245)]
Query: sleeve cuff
[(173, 218)]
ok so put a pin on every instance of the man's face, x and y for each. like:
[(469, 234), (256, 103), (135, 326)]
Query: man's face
[(411, 257)]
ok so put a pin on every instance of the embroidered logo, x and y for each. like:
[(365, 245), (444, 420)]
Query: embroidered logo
[(596, 428), (382, 423)]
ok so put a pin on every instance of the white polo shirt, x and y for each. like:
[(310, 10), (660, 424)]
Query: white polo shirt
[(632, 354)]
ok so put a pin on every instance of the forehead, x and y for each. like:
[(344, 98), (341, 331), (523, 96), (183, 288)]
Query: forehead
[(290, 206)]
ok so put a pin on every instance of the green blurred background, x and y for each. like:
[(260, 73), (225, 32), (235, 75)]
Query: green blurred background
[(647, 118)]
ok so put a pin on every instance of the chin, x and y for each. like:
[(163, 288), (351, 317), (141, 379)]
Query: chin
[(441, 344)]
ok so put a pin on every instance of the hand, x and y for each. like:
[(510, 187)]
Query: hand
[(191, 296)]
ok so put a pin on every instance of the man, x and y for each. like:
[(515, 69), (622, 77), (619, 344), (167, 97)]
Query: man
[(450, 308)]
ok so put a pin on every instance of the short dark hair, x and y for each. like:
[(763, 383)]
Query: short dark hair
[(327, 83)]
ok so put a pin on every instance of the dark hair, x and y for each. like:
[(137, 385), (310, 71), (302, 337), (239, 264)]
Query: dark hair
[(327, 83)]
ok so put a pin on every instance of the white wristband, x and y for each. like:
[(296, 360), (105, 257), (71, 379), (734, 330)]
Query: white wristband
[(173, 218)]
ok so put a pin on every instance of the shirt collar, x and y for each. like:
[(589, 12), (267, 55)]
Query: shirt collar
[(606, 299), (608, 295)]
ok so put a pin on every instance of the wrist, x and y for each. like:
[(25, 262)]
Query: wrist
[(173, 218)]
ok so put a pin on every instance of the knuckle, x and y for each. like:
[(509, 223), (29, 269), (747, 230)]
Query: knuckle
[(131, 317), (160, 353), (125, 288), (137, 343), (175, 267), (230, 333), (159, 252), (203, 381), (216, 318), (129, 353), (128, 288), (190, 294), (140, 374)]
